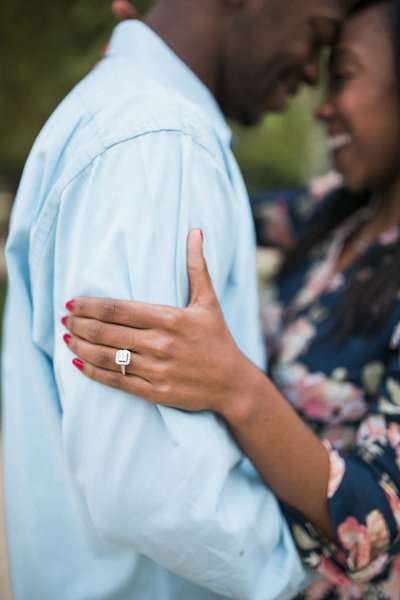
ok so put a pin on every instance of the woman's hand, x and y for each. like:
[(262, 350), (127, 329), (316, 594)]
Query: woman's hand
[(184, 358)]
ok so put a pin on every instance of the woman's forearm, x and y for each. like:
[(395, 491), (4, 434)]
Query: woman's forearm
[(287, 454)]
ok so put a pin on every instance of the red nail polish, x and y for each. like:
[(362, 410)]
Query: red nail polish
[(78, 363), (201, 233), (66, 338), (64, 320), (70, 305)]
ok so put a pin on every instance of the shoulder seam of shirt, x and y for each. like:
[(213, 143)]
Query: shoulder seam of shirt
[(51, 208)]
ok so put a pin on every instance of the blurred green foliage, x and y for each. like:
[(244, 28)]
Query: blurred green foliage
[(285, 149), (46, 46)]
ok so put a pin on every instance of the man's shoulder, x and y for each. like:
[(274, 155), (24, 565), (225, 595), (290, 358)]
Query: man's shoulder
[(127, 103), (117, 104)]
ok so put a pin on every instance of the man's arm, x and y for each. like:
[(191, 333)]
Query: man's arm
[(171, 485)]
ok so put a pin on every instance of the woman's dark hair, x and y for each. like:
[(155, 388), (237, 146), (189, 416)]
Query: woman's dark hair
[(365, 302)]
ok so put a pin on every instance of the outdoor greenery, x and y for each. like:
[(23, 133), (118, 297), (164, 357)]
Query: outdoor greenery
[(48, 45)]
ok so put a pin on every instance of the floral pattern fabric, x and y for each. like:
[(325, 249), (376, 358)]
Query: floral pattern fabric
[(349, 394)]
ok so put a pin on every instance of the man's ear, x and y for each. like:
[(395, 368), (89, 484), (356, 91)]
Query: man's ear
[(124, 10)]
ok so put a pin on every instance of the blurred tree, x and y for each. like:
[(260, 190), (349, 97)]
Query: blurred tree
[(46, 46), (286, 149)]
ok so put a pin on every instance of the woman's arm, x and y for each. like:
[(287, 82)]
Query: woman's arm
[(187, 358)]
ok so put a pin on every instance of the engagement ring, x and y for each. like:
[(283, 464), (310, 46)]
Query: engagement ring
[(123, 358)]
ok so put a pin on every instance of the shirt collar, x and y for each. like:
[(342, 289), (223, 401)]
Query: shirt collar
[(134, 39)]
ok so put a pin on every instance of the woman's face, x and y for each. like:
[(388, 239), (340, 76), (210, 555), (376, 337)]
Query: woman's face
[(362, 110)]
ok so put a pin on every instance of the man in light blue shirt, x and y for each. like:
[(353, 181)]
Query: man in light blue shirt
[(108, 497)]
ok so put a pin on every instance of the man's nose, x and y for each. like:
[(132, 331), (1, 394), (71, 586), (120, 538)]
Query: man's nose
[(312, 69), (325, 110)]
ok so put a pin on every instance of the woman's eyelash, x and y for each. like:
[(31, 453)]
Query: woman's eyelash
[(337, 77)]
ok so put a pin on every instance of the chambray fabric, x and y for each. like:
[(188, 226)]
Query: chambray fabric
[(108, 496)]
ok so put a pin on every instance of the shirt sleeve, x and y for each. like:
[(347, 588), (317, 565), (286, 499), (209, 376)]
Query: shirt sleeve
[(169, 484), (363, 496)]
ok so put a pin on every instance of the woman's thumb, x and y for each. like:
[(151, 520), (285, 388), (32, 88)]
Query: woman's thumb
[(201, 290)]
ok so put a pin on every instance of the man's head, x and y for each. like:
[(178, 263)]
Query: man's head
[(268, 48), (252, 54)]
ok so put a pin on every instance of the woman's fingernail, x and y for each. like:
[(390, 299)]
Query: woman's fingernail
[(201, 233), (70, 305), (78, 363), (66, 338), (64, 320)]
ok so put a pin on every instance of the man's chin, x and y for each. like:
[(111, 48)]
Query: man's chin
[(278, 100)]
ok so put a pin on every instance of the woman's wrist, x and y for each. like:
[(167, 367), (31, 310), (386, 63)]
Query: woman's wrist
[(248, 387)]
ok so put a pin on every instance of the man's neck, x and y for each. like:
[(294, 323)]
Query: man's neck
[(191, 34)]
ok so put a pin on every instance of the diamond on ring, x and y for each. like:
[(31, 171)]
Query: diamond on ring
[(123, 358)]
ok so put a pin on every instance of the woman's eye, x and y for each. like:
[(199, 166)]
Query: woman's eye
[(339, 78)]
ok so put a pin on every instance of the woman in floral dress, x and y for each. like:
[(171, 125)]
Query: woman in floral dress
[(323, 428)]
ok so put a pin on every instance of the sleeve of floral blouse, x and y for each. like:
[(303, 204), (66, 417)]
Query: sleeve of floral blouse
[(363, 494), (283, 215)]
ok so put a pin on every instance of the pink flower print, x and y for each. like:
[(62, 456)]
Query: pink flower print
[(388, 237), (393, 500), (391, 587), (320, 397), (271, 318), (373, 429), (365, 274), (322, 185), (331, 572), (378, 532), (393, 434), (295, 339), (341, 437), (395, 339), (276, 224), (336, 471), (318, 281), (318, 590), (337, 281), (331, 401), (372, 570), (354, 538)]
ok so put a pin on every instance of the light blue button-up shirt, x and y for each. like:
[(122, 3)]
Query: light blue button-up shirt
[(108, 496)]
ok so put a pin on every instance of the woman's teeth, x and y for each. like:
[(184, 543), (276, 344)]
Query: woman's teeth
[(336, 142)]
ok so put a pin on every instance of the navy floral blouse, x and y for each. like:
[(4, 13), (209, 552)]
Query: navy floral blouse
[(349, 395)]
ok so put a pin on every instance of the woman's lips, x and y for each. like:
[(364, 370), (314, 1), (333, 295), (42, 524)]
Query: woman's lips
[(338, 143)]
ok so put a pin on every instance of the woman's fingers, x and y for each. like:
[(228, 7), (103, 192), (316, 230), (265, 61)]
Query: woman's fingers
[(104, 356), (124, 312), (116, 336), (128, 383), (141, 315)]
